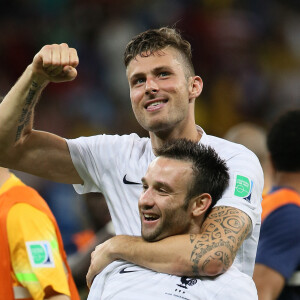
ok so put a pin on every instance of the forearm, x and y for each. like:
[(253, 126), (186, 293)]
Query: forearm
[(170, 259), (184, 255), (16, 111), (269, 283), (208, 253)]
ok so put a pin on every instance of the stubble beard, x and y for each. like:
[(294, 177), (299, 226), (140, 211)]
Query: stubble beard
[(154, 235)]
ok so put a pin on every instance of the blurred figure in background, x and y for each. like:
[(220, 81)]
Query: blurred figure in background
[(277, 269), (100, 229), (253, 137), (32, 258)]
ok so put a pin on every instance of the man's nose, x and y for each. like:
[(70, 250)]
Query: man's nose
[(151, 86), (147, 199)]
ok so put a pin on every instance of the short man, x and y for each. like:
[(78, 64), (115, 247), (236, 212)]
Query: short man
[(277, 268), (32, 258), (163, 90), (179, 188)]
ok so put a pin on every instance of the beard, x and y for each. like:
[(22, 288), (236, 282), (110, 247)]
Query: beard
[(173, 222)]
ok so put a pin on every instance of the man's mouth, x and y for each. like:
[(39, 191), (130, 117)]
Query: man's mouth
[(150, 217), (155, 104)]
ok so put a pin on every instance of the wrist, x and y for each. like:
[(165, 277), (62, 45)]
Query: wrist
[(115, 248), (123, 247), (38, 81)]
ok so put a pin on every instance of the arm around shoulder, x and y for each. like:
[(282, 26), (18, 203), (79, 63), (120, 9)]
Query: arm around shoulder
[(208, 253)]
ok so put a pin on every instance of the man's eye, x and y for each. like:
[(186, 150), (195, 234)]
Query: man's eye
[(139, 81), (164, 74), (145, 187)]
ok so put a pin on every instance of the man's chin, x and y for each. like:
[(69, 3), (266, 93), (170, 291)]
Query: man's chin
[(151, 237), (155, 125)]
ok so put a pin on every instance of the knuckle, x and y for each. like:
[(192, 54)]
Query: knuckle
[(65, 45)]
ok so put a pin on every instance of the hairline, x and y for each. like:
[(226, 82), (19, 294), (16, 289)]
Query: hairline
[(187, 66)]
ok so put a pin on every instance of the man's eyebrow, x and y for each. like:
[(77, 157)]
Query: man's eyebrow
[(161, 68), (155, 71), (163, 184), (136, 75)]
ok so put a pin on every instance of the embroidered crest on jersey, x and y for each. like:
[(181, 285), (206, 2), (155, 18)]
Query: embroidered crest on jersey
[(185, 282), (40, 254), (243, 187), (181, 290)]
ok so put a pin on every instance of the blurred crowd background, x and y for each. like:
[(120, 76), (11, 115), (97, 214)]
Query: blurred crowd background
[(247, 53)]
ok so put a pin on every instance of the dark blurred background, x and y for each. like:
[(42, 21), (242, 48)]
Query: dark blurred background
[(247, 53)]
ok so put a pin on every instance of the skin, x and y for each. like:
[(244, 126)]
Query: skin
[(47, 155), (165, 188), (22, 148), (161, 77), (269, 283)]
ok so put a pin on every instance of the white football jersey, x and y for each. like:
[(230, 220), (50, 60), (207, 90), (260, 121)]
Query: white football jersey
[(123, 281), (114, 166)]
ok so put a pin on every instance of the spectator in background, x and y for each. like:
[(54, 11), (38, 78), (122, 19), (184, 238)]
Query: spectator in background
[(32, 259), (277, 269), (253, 137), (101, 228)]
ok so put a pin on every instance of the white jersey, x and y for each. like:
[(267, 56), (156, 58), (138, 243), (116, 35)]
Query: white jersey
[(114, 166), (119, 281)]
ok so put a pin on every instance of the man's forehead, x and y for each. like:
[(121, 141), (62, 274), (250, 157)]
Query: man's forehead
[(162, 56), (164, 165)]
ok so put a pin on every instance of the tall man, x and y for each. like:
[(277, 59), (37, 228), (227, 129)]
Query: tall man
[(277, 268), (180, 185), (163, 90)]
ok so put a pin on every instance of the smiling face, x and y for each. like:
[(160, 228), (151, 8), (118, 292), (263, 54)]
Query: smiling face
[(162, 204), (161, 91)]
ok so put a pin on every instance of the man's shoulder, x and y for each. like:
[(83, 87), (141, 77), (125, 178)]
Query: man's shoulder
[(113, 144), (227, 149)]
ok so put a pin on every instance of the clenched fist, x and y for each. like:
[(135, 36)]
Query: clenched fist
[(55, 63)]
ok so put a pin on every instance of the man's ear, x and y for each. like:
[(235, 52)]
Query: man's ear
[(195, 87), (201, 204)]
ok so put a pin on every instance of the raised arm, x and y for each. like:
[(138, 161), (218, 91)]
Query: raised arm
[(206, 254), (21, 147)]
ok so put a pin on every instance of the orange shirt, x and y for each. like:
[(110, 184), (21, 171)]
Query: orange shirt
[(34, 245)]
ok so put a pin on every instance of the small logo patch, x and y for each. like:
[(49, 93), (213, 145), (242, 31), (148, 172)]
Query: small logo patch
[(243, 187), (125, 181), (40, 254)]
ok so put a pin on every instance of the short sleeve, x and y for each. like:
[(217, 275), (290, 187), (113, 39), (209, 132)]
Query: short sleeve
[(96, 157), (34, 251), (245, 185), (279, 243)]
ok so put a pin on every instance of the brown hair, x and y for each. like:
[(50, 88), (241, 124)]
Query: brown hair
[(152, 40)]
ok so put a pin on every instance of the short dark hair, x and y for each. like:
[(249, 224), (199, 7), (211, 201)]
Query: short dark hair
[(283, 142), (209, 170), (152, 40)]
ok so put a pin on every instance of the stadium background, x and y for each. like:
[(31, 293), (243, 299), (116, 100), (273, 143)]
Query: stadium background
[(247, 53)]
